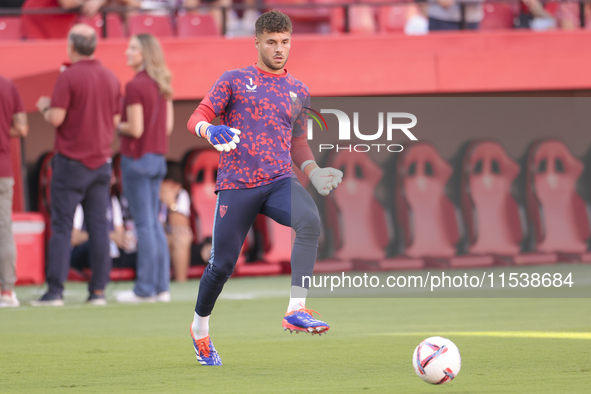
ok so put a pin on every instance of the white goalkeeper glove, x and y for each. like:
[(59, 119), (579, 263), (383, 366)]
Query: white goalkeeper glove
[(325, 179)]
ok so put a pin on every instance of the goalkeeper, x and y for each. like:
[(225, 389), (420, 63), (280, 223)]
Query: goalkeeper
[(263, 119)]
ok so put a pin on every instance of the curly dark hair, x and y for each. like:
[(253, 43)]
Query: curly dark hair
[(273, 22)]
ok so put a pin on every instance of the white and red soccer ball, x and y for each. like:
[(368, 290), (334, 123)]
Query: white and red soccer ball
[(437, 360)]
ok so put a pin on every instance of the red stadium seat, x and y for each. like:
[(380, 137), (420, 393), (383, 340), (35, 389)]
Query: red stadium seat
[(10, 28), (200, 177), (305, 19), (425, 213), (362, 19), (362, 234), (554, 207), (499, 16), (114, 25), (490, 212), (392, 19), (157, 25), (277, 240), (196, 25)]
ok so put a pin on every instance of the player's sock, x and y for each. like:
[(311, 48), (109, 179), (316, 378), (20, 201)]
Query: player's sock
[(200, 326), (297, 298)]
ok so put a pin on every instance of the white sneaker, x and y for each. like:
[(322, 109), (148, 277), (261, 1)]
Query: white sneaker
[(129, 297), (10, 300), (163, 296)]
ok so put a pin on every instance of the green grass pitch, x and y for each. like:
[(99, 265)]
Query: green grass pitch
[(507, 345)]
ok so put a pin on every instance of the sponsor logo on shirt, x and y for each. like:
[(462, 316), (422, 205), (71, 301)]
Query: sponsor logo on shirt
[(251, 87)]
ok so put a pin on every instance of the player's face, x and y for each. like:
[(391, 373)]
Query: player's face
[(135, 59), (273, 49)]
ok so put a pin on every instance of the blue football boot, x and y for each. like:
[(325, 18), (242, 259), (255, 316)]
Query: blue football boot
[(301, 320), (205, 352)]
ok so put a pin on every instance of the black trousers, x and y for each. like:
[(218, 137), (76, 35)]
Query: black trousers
[(71, 184)]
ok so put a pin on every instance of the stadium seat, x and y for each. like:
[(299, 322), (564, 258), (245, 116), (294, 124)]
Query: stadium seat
[(555, 209), (499, 16), (305, 19), (491, 213), (196, 25), (277, 240), (115, 27), (426, 216), (392, 19), (10, 28), (362, 19), (200, 177), (361, 233), (157, 25)]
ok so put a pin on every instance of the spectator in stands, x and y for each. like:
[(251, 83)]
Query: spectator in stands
[(160, 7), (176, 214), (11, 3), (122, 242), (537, 16), (85, 109), (446, 14), (41, 26), (148, 121), (13, 123)]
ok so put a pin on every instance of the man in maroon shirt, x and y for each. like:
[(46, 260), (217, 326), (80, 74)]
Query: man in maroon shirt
[(13, 123), (84, 108)]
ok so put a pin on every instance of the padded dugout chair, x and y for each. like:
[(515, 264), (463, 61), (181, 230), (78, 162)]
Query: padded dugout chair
[(491, 214), (360, 226), (555, 209), (426, 216)]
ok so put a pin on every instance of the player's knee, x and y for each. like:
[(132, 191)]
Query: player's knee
[(221, 271), (309, 224)]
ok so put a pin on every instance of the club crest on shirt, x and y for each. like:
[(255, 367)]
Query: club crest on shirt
[(223, 210), (293, 96), (251, 87)]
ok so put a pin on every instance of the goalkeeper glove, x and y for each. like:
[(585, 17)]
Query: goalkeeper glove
[(325, 179), (223, 138)]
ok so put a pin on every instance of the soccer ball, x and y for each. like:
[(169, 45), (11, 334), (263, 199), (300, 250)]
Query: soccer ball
[(437, 360)]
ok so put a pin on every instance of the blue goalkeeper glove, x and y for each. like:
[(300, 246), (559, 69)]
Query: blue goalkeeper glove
[(223, 138)]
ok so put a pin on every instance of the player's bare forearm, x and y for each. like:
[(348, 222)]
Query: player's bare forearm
[(169, 117)]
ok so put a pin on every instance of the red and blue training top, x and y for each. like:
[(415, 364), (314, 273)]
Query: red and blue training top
[(268, 109)]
